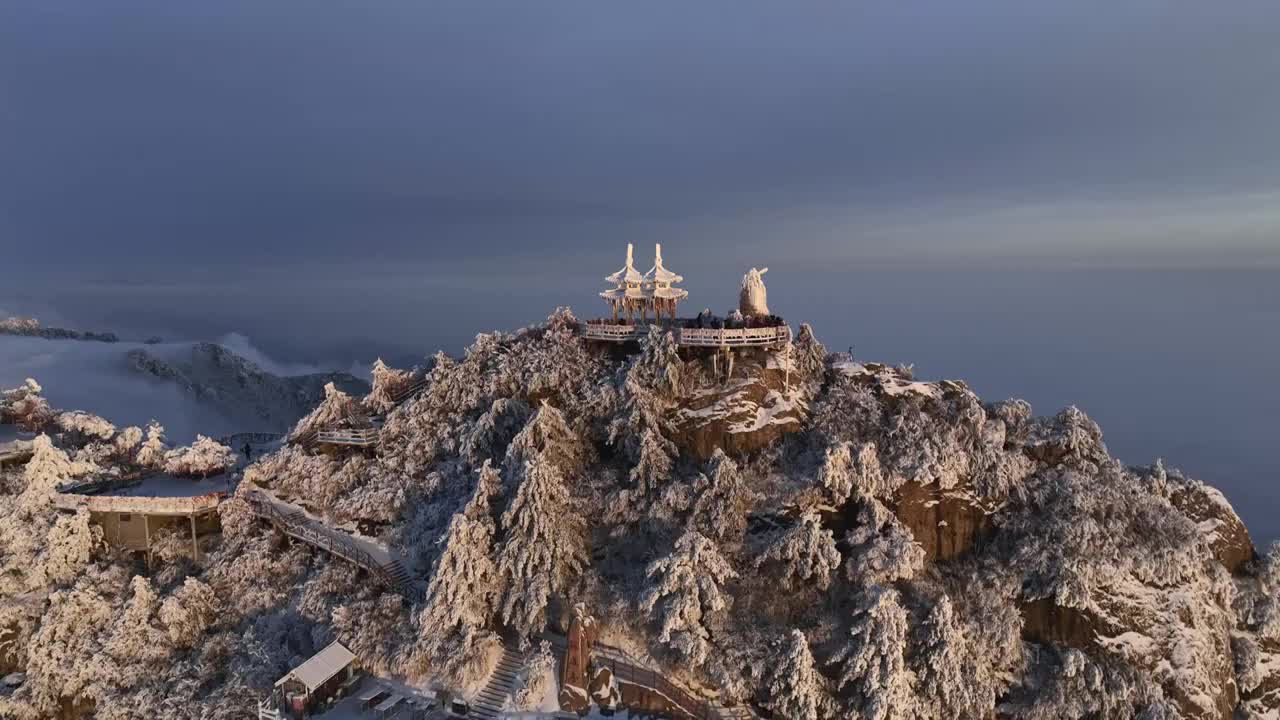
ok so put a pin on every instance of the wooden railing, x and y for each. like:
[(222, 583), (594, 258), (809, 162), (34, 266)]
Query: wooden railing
[(296, 525), (726, 337), (363, 437), (236, 440), (689, 707), (140, 505), (694, 337), (409, 391)]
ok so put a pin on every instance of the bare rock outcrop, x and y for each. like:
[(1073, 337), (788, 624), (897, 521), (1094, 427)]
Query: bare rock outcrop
[(760, 403)]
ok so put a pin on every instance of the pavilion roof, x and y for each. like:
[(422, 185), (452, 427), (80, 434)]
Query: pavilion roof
[(628, 273), (658, 273)]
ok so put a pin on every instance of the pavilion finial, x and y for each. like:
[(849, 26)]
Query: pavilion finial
[(657, 254), (630, 252)]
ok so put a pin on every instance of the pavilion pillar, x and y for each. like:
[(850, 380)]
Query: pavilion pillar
[(146, 533), (195, 543)]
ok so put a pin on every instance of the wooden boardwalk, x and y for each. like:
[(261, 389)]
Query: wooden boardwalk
[(629, 670), (379, 563)]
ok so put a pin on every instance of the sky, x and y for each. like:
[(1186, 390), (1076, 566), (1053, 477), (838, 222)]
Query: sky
[(987, 189)]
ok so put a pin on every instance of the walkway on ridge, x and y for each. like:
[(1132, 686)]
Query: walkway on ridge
[(379, 562), (627, 668)]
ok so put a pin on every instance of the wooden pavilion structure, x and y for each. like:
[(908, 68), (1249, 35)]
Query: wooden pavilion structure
[(634, 294)]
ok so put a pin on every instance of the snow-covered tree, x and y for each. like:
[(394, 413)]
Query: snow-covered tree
[(492, 432), (642, 428), (338, 409), (136, 642), (536, 674), (882, 550), (686, 591), (25, 407), (126, 441), (847, 470), (543, 546), (795, 689), (944, 665), (69, 546), (204, 457), (873, 664), (86, 425), (545, 438), (48, 468), (805, 554), (387, 381), (808, 356), (152, 451), (463, 590), (189, 612), (723, 499)]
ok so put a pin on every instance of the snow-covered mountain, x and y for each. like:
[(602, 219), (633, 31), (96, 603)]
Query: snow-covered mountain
[(212, 388), (236, 387), (813, 537)]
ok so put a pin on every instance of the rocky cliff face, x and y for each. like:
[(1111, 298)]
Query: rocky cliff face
[(742, 413)]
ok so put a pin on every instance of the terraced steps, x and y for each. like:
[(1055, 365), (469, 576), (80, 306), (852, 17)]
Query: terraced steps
[(488, 703)]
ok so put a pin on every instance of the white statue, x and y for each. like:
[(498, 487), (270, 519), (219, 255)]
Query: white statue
[(752, 300)]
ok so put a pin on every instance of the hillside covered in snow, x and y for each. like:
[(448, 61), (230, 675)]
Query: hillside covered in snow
[(211, 388), (812, 537)]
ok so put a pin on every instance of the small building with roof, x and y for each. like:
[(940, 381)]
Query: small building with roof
[(308, 689)]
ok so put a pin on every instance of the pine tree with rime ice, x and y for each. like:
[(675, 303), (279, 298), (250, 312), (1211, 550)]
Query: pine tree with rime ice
[(723, 499), (805, 552), (190, 612), (461, 596), (87, 425), (686, 591), (204, 457), (152, 451), (652, 380), (126, 441), (25, 407), (808, 356), (944, 665), (546, 438), (136, 642), (492, 432), (848, 469), (882, 550), (69, 547), (536, 672), (543, 548), (386, 382), (872, 660), (337, 409), (48, 468), (796, 690)]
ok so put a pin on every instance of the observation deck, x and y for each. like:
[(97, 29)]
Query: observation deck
[(771, 335)]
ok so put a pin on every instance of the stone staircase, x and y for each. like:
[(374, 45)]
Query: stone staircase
[(488, 703)]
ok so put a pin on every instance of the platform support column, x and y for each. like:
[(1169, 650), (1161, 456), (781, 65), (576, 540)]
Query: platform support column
[(195, 544)]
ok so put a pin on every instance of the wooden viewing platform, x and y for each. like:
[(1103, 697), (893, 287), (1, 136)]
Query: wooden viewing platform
[(691, 337), (363, 437)]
